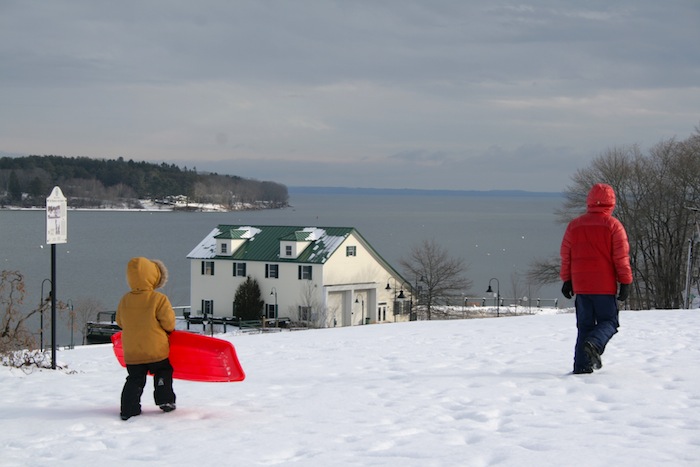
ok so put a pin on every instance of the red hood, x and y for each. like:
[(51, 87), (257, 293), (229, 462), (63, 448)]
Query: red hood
[(601, 198)]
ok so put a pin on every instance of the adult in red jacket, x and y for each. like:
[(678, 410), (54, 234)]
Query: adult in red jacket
[(594, 259)]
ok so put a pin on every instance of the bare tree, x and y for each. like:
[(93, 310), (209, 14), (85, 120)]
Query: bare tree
[(653, 193), (309, 310), (441, 274), (544, 271), (516, 285), (14, 334)]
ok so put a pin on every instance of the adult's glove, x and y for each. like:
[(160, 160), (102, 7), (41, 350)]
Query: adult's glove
[(624, 292), (567, 289)]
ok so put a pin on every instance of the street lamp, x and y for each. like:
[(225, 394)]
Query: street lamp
[(69, 305), (361, 300), (691, 251), (274, 292), (416, 293), (41, 311), (397, 298), (498, 294)]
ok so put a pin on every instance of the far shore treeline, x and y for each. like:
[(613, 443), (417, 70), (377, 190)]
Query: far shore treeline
[(98, 183)]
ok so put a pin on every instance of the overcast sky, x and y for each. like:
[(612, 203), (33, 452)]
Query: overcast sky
[(454, 94)]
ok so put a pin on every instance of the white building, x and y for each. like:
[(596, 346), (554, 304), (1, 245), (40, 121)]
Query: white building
[(326, 276)]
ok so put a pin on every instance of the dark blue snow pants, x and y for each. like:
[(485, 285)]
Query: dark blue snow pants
[(162, 372), (596, 321)]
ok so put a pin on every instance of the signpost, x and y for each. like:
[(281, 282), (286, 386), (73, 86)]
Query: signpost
[(56, 232)]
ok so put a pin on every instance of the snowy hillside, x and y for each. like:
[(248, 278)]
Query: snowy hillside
[(481, 392)]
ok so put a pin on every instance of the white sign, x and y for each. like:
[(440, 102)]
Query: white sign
[(56, 217)]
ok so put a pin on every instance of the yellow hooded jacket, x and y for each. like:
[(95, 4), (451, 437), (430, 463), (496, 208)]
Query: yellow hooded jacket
[(145, 316)]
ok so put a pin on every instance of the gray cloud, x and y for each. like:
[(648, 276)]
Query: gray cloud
[(369, 93)]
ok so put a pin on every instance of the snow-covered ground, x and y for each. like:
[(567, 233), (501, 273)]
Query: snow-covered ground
[(476, 392)]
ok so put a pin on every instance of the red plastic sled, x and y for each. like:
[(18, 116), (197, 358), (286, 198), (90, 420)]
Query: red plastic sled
[(195, 357)]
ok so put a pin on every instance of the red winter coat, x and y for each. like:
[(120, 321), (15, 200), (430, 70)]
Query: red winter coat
[(595, 250)]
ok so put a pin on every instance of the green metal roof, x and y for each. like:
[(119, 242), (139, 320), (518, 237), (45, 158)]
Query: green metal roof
[(233, 234), (262, 243)]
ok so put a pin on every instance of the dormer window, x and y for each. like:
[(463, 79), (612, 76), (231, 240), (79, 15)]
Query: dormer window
[(229, 239), (294, 245)]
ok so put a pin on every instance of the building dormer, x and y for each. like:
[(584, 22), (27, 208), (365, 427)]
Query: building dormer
[(294, 245), (230, 240)]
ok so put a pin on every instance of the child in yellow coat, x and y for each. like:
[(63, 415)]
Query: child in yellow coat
[(146, 317)]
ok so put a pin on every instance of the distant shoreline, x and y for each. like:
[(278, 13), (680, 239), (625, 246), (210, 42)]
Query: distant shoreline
[(146, 206), (150, 206), (413, 191)]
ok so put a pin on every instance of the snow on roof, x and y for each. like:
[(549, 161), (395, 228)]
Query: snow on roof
[(323, 243), (249, 232), (328, 245), (207, 247), (238, 233), (314, 233)]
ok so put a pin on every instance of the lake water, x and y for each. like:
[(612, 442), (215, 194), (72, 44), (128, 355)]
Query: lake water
[(498, 237)]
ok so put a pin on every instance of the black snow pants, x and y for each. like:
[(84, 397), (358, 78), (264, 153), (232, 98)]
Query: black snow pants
[(162, 372)]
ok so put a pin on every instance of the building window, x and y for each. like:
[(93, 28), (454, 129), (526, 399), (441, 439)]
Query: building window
[(207, 307), (288, 250), (207, 268), (239, 269), (272, 271), (305, 272), (270, 310), (350, 251), (304, 313), (401, 307), (224, 248)]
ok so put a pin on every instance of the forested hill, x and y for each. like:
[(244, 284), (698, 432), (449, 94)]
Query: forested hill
[(87, 182)]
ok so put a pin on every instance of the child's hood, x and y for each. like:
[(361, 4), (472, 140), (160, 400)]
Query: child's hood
[(146, 274)]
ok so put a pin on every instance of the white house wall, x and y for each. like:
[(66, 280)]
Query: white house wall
[(333, 290), (360, 271), (222, 286)]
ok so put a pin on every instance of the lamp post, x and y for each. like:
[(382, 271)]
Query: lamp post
[(498, 294), (274, 292), (414, 314), (401, 298), (361, 300), (387, 288), (691, 247), (69, 305), (41, 311), (397, 298)]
